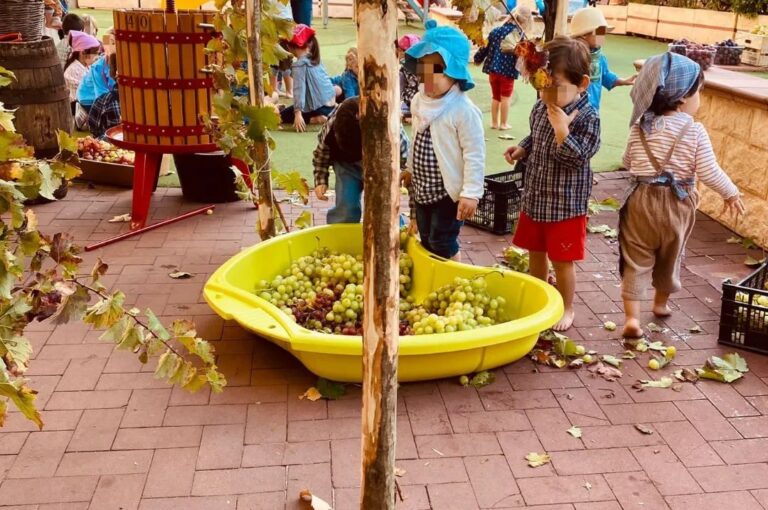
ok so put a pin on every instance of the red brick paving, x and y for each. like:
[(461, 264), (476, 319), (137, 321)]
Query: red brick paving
[(117, 438)]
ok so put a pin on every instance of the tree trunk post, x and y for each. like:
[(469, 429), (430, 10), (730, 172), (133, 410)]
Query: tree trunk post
[(549, 15), (380, 125), (260, 154), (561, 17)]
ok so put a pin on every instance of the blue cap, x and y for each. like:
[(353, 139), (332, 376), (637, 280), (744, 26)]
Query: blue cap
[(450, 44)]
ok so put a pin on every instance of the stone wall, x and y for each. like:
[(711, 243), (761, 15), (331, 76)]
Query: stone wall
[(739, 131)]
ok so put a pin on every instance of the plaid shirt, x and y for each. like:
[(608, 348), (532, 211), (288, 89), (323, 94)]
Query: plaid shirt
[(321, 159), (558, 180), (427, 186), (104, 114)]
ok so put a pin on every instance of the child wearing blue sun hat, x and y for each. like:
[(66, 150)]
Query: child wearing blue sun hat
[(447, 158)]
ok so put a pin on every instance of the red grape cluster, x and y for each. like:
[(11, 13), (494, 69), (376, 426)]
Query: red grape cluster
[(728, 53), (703, 54)]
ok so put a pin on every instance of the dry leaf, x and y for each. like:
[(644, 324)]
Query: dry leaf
[(610, 374), (686, 375), (587, 486), (629, 355), (312, 394), (695, 329), (400, 472), (654, 328), (574, 431), (180, 275), (315, 502), (643, 429), (726, 369), (611, 360), (664, 382), (537, 459), (123, 218)]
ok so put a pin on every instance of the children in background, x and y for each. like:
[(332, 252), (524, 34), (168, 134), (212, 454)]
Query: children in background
[(313, 94), (90, 25), (105, 112), (340, 145), (346, 84), (448, 154), (409, 82), (500, 63), (589, 25), (97, 82), (665, 154), (282, 71), (85, 49), (70, 22), (565, 135)]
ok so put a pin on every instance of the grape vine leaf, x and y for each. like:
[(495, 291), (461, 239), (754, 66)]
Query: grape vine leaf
[(105, 312), (12, 146), (22, 397), (304, 220), (609, 204), (330, 389), (611, 360), (72, 307), (726, 369), (537, 459), (574, 431), (260, 120), (664, 382), (6, 77), (6, 118), (598, 229), (155, 326), (292, 182)]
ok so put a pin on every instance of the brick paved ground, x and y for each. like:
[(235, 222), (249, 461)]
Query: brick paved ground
[(117, 439)]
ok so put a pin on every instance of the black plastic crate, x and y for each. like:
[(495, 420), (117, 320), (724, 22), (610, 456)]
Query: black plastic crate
[(744, 315), (499, 209)]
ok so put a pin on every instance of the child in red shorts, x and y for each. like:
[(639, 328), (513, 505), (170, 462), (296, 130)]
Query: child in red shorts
[(500, 62), (565, 135)]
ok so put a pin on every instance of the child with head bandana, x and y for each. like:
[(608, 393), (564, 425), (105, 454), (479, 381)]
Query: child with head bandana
[(666, 153)]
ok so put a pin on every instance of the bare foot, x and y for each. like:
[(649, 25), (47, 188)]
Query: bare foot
[(494, 126), (320, 119), (504, 127), (565, 322), (632, 329), (661, 310)]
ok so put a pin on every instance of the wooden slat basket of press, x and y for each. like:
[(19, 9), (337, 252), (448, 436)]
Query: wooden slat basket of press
[(164, 91)]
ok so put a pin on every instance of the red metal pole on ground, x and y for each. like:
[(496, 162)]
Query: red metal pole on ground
[(159, 224)]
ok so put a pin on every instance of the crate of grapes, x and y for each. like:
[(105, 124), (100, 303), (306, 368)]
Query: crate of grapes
[(499, 208), (103, 163), (744, 315)]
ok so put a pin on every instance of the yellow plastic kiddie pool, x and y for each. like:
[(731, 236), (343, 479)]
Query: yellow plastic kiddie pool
[(532, 305)]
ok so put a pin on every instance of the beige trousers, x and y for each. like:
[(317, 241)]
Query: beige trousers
[(654, 226)]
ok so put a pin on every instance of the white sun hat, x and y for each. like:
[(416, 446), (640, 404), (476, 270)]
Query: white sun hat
[(587, 20)]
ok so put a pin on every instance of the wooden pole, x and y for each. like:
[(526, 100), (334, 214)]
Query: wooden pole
[(549, 15), (260, 154), (380, 125), (561, 18)]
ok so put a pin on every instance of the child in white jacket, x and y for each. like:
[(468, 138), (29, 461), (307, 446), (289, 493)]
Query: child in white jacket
[(447, 159)]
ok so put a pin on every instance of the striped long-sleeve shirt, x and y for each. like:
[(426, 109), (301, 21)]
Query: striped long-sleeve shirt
[(693, 156)]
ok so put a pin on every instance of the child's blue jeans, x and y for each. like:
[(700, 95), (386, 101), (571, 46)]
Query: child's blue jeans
[(349, 192), (438, 227)]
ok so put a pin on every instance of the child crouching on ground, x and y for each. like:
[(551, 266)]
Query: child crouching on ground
[(448, 154), (340, 145), (565, 135), (665, 154)]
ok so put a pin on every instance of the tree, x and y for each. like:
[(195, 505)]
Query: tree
[(380, 126), (41, 279)]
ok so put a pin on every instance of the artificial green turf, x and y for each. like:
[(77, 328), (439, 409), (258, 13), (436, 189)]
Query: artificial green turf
[(294, 150)]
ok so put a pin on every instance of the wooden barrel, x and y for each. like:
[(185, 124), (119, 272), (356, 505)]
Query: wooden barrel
[(39, 93), (163, 89)]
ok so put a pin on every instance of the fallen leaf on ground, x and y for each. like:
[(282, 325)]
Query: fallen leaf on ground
[(315, 502), (577, 363), (597, 229), (587, 486), (506, 137), (609, 326), (330, 390), (483, 378), (695, 329), (400, 471), (180, 275), (637, 344), (123, 218), (611, 360), (686, 375), (657, 346), (643, 429), (753, 262), (629, 355), (537, 459), (654, 328), (733, 240), (664, 382), (311, 394), (608, 373), (726, 369), (574, 431)]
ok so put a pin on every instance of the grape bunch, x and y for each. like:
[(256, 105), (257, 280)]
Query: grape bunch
[(703, 54), (324, 292), (728, 53), (99, 150), (460, 306)]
